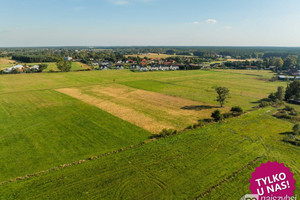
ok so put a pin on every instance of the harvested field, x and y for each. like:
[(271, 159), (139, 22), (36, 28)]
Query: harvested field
[(155, 55), (149, 110), (6, 62)]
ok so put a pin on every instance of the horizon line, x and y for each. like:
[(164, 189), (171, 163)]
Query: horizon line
[(114, 46)]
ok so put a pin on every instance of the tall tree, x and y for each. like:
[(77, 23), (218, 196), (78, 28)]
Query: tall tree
[(63, 65), (293, 90), (290, 61), (280, 93), (278, 63), (223, 94)]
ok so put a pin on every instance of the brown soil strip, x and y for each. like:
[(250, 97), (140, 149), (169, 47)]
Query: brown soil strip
[(122, 112)]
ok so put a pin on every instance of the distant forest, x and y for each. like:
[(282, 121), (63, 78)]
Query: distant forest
[(50, 54)]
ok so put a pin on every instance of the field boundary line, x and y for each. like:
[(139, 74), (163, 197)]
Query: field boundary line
[(225, 180), (26, 177)]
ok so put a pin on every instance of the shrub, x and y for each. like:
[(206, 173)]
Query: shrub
[(190, 127), (217, 116), (294, 113), (264, 104), (227, 115), (236, 109), (289, 108), (296, 129), (272, 97), (167, 132)]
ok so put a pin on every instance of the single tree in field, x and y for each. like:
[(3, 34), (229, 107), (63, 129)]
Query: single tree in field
[(296, 129), (63, 65), (223, 94), (280, 93), (278, 63)]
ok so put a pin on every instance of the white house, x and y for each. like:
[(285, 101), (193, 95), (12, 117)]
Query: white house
[(37, 67), (8, 70), (68, 58)]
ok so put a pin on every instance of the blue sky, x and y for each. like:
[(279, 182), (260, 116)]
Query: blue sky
[(149, 22)]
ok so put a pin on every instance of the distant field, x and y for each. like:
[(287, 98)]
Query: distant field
[(75, 66), (6, 62), (185, 166), (241, 60), (154, 55)]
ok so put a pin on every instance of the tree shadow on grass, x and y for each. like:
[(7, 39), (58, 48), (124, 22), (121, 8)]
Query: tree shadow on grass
[(261, 100), (287, 133), (198, 107)]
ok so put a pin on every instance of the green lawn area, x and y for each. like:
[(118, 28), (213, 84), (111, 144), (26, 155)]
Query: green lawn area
[(43, 129), (195, 85), (184, 166)]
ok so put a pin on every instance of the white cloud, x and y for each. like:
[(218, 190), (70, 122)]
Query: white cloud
[(211, 21), (228, 27), (208, 21)]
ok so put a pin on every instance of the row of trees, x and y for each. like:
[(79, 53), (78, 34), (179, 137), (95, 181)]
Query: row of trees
[(282, 64), (291, 92), (278, 62)]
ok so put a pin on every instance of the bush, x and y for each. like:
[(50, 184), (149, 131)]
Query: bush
[(294, 113), (278, 103), (236, 109), (296, 129), (264, 104), (217, 116), (272, 97), (289, 108), (190, 127), (167, 132), (227, 115)]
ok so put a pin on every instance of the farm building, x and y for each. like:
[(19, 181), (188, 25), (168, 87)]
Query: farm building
[(19, 67), (283, 77), (37, 67)]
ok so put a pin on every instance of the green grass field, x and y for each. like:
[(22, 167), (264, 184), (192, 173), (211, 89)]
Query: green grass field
[(181, 167), (43, 128)]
